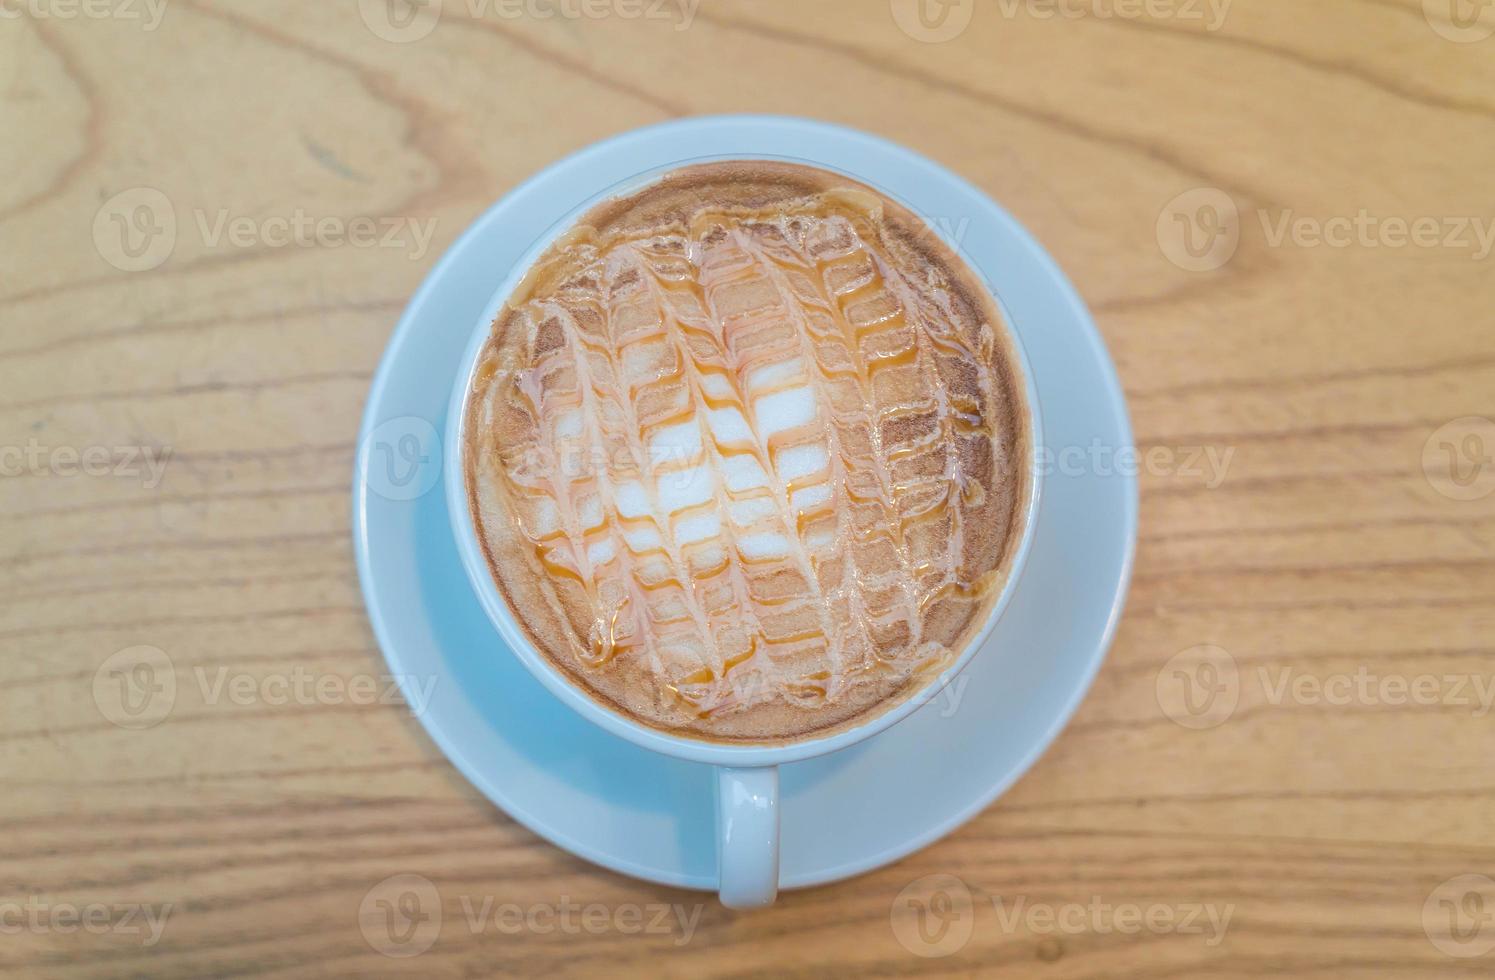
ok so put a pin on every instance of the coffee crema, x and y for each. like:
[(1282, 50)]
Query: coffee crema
[(747, 453)]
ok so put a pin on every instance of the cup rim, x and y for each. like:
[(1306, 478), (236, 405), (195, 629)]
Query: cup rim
[(480, 575)]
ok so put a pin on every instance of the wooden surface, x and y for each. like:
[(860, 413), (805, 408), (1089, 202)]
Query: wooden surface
[(1327, 551)]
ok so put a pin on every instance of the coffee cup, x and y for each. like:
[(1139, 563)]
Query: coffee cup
[(747, 777)]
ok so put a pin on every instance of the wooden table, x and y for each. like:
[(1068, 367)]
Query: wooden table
[(1275, 219)]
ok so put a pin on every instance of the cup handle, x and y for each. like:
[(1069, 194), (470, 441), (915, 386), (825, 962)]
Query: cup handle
[(747, 834)]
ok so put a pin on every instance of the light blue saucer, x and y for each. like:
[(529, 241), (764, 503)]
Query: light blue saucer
[(645, 815)]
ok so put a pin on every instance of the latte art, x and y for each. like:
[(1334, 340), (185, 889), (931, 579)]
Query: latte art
[(745, 452)]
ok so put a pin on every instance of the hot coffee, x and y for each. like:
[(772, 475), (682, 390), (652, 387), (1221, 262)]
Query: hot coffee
[(747, 453)]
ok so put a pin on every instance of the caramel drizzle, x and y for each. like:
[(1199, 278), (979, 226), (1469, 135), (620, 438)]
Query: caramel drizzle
[(683, 651), (719, 692), (863, 376)]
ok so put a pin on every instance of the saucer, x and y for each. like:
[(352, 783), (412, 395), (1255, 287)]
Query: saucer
[(646, 815)]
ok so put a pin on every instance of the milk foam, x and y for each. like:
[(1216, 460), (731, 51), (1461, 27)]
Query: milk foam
[(745, 451)]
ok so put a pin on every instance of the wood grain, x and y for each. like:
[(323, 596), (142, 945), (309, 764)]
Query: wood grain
[(1327, 550)]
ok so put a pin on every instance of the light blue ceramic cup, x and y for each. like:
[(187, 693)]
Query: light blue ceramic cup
[(747, 776)]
